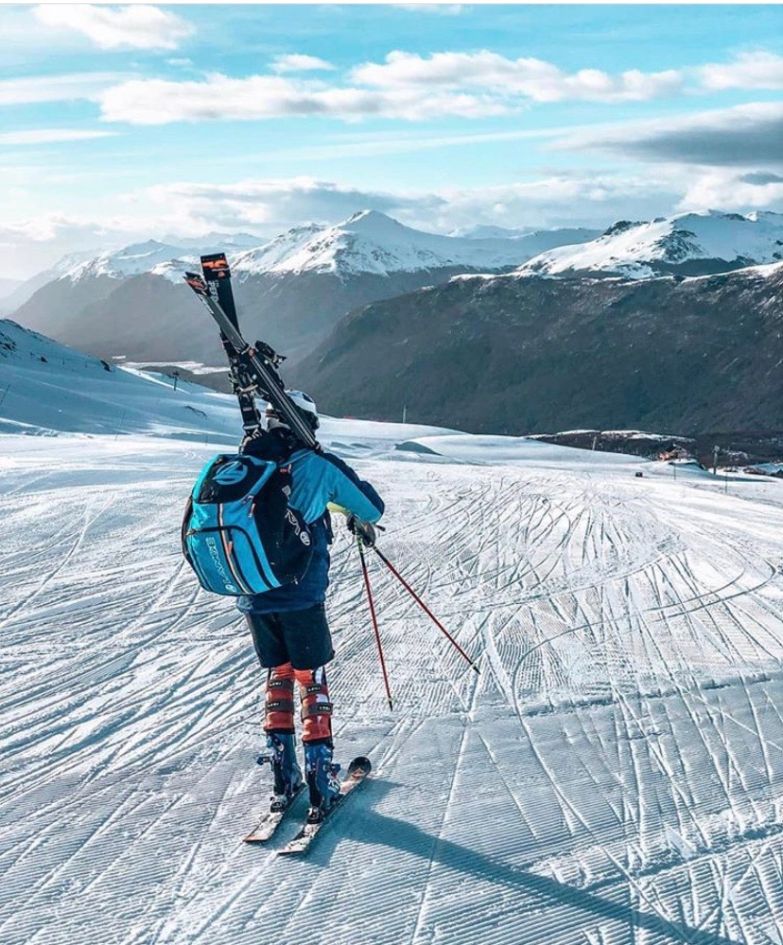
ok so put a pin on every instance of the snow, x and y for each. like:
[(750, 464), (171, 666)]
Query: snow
[(48, 388), (633, 250), (768, 469), (194, 367), (483, 448), (371, 242), (614, 776), (130, 261)]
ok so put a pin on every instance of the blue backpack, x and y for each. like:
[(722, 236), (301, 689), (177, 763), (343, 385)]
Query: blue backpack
[(239, 534)]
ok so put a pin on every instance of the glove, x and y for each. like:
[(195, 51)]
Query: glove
[(363, 530)]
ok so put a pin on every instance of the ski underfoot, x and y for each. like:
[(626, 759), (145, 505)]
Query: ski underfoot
[(267, 826), (357, 773)]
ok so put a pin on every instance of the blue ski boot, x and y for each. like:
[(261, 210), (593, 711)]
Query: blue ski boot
[(322, 780), (286, 770)]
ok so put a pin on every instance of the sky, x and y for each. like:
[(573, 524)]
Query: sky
[(123, 123)]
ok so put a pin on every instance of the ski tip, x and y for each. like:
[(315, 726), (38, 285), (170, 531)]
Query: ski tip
[(360, 765)]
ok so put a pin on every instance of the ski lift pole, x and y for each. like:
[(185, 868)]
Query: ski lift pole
[(424, 607), (371, 604)]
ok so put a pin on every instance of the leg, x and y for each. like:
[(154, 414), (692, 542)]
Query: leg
[(321, 773), (316, 705), (279, 706), (309, 643), (279, 710), (280, 734)]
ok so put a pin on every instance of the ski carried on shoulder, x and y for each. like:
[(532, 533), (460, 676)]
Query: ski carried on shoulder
[(254, 368), (358, 771), (266, 827)]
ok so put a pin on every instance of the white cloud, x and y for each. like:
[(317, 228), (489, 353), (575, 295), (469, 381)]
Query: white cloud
[(750, 70), (724, 190), (530, 78), (274, 205), (55, 88), (158, 101), (407, 87), (138, 26), (38, 242), (299, 62), (50, 136)]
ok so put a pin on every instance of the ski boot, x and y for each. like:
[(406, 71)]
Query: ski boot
[(285, 768), (322, 781)]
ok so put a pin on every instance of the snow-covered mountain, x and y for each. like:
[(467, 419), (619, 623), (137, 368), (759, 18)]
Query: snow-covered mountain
[(291, 290), (371, 242), (689, 244), (129, 261), (28, 287)]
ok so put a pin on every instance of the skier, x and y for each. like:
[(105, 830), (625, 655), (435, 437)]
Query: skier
[(288, 624)]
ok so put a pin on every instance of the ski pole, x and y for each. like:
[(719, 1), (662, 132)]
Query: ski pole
[(423, 606), (371, 603)]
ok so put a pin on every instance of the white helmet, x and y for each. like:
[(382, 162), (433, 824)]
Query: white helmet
[(306, 406)]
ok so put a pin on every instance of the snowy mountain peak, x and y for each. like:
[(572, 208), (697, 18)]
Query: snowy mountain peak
[(689, 242), (129, 261), (369, 220), (373, 243)]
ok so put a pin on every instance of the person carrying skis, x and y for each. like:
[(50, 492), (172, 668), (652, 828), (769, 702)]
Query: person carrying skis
[(288, 624)]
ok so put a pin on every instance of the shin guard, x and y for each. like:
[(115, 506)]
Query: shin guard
[(279, 710), (316, 706)]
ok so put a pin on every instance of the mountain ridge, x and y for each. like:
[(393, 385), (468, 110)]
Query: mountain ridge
[(291, 290), (509, 355), (687, 243)]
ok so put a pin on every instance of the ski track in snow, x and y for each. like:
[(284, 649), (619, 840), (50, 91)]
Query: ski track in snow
[(613, 776)]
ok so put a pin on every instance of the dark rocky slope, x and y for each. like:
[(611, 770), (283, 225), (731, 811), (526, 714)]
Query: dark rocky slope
[(518, 355)]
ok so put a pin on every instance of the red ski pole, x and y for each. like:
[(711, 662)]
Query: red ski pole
[(371, 603), (424, 607)]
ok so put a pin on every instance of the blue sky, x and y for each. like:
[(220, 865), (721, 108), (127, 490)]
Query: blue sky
[(120, 123)]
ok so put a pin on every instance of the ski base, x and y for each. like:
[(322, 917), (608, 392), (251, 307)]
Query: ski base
[(358, 770), (271, 821)]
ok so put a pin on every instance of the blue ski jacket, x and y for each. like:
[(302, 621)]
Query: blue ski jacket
[(316, 480)]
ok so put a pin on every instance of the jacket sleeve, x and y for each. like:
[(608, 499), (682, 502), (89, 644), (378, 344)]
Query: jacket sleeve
[(349, 491)]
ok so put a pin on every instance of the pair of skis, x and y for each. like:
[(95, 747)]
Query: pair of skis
[(358, 770), (254, 368)]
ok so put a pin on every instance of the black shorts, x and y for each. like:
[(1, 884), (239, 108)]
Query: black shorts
[(299, 637)]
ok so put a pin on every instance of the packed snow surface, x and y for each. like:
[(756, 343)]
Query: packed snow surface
[(47, 387), (637, 249), (613, 776)]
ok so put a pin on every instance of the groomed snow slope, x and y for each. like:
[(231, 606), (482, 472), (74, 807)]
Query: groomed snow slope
[(46, 387), (613, 776)]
